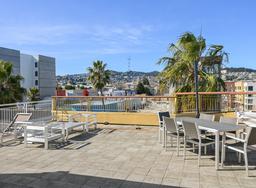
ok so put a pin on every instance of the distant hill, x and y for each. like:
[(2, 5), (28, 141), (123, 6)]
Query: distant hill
[(113, 72), (155, 73), (239, 69)]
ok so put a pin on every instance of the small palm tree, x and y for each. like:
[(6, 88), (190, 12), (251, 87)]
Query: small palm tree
[(33, 94), (10, 88), (99, 77)]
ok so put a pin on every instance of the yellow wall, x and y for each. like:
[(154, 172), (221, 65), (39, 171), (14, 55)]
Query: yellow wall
[(130, 118)]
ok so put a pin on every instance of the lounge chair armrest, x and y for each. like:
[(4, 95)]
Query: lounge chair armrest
[(23, 122), (235, 138)]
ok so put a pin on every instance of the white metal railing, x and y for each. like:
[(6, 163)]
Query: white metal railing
[(113, 103), (41, 111)]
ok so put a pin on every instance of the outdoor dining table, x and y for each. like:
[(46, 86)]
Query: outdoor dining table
[(214, 127)]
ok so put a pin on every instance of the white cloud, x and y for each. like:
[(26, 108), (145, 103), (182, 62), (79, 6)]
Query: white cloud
[(98, 38)]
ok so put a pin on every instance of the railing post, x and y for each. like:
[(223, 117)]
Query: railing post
[(54, 108), (175, 104), (26, 107)]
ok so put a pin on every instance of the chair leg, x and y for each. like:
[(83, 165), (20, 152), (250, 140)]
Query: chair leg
[(46, 145), (1, 140), (223, 149), (246, 162), (184, 151), (171, 141), (223, 155), (205, 150), (199, 154), (239, 157), (178, 145), (164, 132), (193, 147), (165, 144)]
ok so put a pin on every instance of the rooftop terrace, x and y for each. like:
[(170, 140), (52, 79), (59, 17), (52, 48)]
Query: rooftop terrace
[(114, 156)]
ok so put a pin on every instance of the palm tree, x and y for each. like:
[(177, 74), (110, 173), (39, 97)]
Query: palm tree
[(33, 94), (179, 68), (10, 88), (99, 77)]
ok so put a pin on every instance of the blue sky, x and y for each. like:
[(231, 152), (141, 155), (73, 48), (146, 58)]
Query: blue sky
[(77, 32)]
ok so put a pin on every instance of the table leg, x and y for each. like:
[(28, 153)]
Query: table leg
[(164, 135), (217, 149)]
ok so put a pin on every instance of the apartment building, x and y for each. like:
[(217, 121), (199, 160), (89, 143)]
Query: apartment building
[(37, 71), (248, 101), (230, 100)]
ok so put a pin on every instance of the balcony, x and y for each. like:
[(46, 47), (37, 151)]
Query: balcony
[(115, 155)]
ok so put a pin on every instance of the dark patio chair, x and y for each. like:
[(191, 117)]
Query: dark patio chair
[(172, 130), (192, 135), (161, 125)]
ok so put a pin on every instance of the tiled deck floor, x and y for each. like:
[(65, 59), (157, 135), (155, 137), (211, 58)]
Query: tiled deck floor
[(118, 156)]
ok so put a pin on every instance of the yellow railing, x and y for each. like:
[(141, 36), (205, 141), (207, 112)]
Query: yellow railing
[(142, 110)]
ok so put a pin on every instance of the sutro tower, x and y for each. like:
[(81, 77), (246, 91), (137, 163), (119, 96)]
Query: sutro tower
[(129, 63)]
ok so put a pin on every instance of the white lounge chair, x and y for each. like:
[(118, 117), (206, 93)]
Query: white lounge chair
[(36, 133), (14, 127)]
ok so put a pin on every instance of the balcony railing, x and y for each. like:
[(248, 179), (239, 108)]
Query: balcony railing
[(215, 101), (41, 111), (137, 106), (178, 103), (113, 103)]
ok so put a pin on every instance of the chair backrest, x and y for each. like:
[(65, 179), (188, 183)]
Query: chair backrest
[(163, 114), (190, 129), (76, 118), (228, 120), (209, 117), (170, 124), (19, 117), (22, 117), (251, 135)]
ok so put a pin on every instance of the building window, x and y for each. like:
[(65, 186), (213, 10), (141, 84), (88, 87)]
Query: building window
[(36, 64), (36, 73), (250, 88), (250, 101), (249, 107), (36, 82)]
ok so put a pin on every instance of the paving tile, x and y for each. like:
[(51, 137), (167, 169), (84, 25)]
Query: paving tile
[(189, 183), (226, 180), (171, 181), (125, 157), (152, 180), (136, 177), (208, 179)]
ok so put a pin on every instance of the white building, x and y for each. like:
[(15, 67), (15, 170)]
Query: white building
[(29, 71), (37, 71)]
